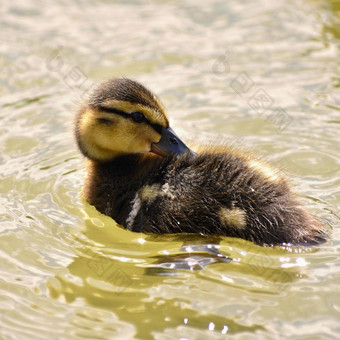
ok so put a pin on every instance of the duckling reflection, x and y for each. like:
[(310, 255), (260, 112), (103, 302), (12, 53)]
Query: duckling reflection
[(194, 257), (110, 271), (143, 176)]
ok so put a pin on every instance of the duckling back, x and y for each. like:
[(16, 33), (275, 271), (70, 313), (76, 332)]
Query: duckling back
[(222, 193)]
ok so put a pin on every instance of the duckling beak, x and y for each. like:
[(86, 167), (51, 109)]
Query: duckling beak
[(169, 144)]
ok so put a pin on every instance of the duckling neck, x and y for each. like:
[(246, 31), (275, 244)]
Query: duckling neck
[(109, 186)]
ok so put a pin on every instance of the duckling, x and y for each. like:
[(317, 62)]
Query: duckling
[(146, 178)]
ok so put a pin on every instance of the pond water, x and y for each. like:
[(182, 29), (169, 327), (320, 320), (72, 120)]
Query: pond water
[(262, 75)]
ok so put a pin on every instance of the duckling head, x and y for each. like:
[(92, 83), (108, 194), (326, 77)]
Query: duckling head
[(123, 117)]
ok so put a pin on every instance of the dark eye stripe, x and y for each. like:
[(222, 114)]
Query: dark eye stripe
[(105, 121), (112, 110), (157, 127)]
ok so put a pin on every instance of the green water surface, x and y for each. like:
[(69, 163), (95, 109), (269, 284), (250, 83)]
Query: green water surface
[(262, 75)]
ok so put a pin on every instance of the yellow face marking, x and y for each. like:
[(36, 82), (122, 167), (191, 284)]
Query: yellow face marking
[(265, 170), (153, 116), (234, 217), (88, 131), (122, 136)]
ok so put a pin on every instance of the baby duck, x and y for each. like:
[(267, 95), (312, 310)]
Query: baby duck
[(143, 176)]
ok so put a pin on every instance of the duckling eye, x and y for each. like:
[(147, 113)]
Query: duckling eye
[(138, 117)]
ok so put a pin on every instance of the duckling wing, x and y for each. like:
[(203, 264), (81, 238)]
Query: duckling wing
[(221, 194)]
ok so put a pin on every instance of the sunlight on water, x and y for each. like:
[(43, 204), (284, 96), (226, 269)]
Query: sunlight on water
[(260, 75)]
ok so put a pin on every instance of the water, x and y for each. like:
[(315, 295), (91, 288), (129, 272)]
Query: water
[(262, 75)]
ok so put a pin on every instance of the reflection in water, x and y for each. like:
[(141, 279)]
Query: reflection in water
[(126, 291), (144, 289), (193, 260)]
